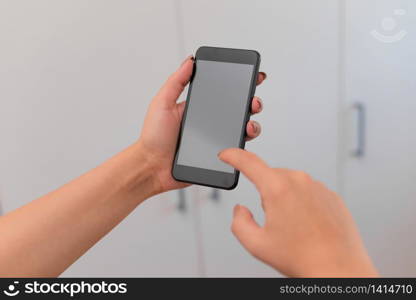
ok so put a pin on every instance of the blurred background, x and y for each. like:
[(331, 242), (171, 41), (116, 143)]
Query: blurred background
[(77, 76)]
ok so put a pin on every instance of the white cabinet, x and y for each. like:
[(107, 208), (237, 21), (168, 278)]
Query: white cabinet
[(380, 74), (76, 79), (299, 44)]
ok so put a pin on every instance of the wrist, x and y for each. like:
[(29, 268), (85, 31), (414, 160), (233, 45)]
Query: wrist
[(139, 172)]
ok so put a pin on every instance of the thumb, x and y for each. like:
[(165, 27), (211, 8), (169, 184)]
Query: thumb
[(245, 228), (176, 83)]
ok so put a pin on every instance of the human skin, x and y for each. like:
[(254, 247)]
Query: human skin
[(308, 231), (44, 237)]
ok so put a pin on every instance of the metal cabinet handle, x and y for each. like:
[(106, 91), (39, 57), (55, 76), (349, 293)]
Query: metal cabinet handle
[(182, 207), (215, 195), (181, 200), (359, 151)]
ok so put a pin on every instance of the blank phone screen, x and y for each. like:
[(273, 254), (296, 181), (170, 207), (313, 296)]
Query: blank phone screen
[(215, 114)]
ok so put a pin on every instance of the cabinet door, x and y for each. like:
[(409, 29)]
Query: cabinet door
[(380, 75), (76, 79), (298, 41)]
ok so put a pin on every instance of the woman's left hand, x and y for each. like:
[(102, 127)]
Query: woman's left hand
[(161, 127)]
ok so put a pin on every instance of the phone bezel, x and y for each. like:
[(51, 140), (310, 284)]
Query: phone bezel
[(207, 177)]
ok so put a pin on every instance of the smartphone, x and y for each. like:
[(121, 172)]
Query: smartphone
[(216, 114)]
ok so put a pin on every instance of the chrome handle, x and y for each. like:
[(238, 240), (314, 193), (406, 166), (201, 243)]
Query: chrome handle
[(215, 195), (359, 151), (181, 200)]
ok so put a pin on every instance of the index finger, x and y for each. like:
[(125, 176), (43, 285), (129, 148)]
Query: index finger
[(252, 166)]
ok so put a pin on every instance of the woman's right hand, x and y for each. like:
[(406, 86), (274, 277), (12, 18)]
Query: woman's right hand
[(308, 231)]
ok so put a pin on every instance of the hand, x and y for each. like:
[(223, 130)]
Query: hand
[(161, 127), (308, 231)]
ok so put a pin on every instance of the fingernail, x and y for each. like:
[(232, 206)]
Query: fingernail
[(264, 74), (260, 103), (188, 58), (236, 208), (255, 127)]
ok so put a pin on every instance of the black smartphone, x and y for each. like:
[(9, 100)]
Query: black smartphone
[(216, 114)]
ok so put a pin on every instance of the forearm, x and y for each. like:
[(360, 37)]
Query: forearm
[(46, 236)]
